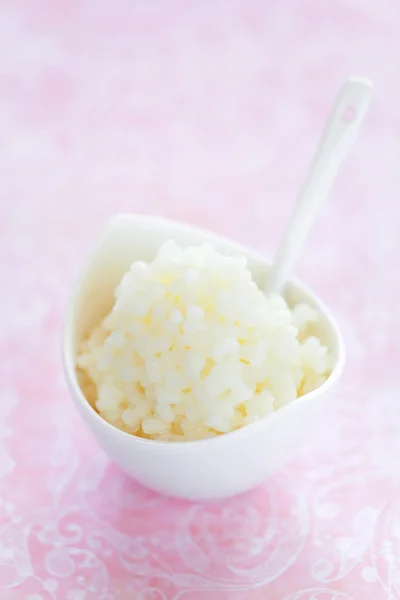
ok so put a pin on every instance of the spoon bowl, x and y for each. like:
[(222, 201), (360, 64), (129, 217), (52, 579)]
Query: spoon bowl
[(207, 469)]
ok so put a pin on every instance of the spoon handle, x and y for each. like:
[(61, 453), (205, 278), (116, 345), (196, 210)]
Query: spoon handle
[(340, 133)]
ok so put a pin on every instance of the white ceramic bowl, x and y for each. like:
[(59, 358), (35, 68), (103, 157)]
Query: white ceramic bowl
[(200, 470)]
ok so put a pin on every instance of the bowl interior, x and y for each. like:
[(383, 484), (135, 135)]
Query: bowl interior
[(129, 238)]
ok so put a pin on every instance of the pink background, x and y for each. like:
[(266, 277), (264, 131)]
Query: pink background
[(207, 111)]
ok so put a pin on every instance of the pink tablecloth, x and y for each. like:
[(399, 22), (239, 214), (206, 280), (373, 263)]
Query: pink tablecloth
[(208, 112)]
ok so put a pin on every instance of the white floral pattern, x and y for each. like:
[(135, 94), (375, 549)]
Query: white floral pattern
[(208, 112)]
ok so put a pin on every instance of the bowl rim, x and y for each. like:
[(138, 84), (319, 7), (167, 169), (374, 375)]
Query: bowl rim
[(69, 366)]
